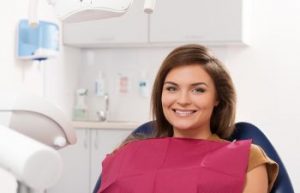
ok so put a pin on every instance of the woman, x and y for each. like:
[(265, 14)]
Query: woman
[(193, 103)]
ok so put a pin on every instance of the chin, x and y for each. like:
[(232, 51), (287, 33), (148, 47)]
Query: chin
[(183, 126)]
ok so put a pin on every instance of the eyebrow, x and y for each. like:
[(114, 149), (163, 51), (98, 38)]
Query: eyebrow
[(194, 84)]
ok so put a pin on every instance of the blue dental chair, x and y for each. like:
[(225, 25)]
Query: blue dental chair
[(243, 131)]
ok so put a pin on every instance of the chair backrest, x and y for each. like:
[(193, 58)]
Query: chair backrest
[(248, 131), (243, 131)]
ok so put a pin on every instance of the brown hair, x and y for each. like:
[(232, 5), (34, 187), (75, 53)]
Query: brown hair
[(223, 116)]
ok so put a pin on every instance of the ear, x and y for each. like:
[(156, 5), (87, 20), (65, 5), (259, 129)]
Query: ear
[(216, 103)]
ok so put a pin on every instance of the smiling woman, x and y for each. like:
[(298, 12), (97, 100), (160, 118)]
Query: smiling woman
[(193, 104), (193, 64)]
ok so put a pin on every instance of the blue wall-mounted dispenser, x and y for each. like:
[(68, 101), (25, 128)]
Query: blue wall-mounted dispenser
[(39, 42)]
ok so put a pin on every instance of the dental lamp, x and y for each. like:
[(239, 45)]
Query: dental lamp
[(30, 162), (37, 118), (85, 10), (31, 128)]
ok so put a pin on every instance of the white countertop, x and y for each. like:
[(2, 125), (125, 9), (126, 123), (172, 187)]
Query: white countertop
[(106, 125)]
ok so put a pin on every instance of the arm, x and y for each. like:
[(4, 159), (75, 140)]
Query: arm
[(257, 180)]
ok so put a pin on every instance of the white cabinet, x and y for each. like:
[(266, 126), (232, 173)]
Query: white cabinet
[(75, 176), (130, 28), (82, 162), (219, 22), (103, 142), (205, 21)]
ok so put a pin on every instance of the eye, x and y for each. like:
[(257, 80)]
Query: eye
[(171, 88), (198, 90)]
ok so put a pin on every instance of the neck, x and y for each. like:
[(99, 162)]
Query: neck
[(192, 133)]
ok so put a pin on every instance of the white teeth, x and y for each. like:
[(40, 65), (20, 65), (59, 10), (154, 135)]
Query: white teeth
[(183, 113)]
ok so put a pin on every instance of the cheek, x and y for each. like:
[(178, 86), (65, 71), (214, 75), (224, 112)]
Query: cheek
[(204, 102), (209, 105), (166, 100)]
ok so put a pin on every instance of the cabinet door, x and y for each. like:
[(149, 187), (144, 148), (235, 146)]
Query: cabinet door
[(128, 29), (104, 142), (75, 175), (208, 21)]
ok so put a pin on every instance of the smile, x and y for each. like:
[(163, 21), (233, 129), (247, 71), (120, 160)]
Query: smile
[(184, 113)]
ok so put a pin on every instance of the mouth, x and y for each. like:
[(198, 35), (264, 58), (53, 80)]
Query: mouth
[(184, 113)]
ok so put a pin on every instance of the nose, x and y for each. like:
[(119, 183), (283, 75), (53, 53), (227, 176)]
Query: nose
[(183, 98)]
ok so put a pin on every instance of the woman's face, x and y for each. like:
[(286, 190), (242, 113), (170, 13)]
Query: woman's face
[(188, 99)]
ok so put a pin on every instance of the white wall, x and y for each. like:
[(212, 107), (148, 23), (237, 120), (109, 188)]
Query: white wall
[(266, 75), (267, 78), (60, 73)]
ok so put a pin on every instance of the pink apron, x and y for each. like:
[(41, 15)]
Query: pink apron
[(176, 165)]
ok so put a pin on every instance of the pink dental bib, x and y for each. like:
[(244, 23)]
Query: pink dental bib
[(176, 165)]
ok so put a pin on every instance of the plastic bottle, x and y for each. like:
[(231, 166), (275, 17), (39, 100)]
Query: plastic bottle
[(80, 112), (144, 88), (100, 89)]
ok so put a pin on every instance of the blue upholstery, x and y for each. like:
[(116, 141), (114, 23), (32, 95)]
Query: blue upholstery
[(243, 131), (249, 131)]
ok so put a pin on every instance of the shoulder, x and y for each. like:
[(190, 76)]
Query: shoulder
[(258, 157)]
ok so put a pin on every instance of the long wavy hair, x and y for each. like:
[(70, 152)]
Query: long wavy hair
[(223, 116)]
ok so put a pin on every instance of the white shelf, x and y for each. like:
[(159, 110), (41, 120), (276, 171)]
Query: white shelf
[(106, 125)]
